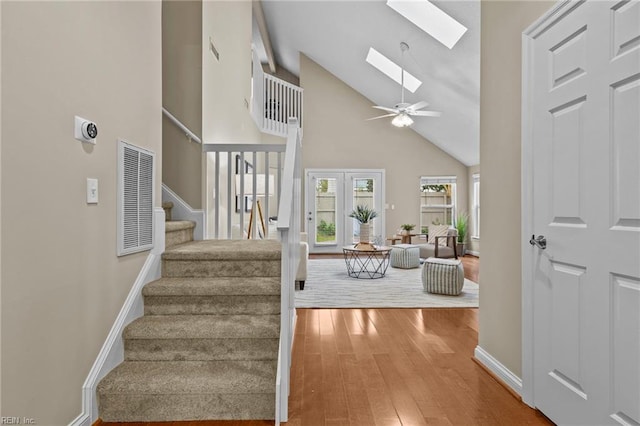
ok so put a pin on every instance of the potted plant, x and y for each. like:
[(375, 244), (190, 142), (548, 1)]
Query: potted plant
[(363, 214), (407, 228), (462, 224)]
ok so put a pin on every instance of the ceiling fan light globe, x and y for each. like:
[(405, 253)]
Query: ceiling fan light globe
[(402, 120)]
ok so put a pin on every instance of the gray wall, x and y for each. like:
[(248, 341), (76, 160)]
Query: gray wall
[(336, 135), (182, 97), (226, 85), (500, 106), (62, 284)]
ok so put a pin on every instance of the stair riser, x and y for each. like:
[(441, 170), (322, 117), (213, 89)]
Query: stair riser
[(159, 408), (211, 305), (200, 349), (220, 268), (173, 238)]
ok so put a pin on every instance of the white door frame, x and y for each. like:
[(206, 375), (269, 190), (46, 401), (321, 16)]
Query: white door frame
[(343, 203), (528, 251)]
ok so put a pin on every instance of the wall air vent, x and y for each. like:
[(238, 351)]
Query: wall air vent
[(135, 198)]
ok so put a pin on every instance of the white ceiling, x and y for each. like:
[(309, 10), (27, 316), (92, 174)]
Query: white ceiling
[(337, 35)]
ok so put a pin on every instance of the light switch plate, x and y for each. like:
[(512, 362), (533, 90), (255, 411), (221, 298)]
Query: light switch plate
[(92, 191)]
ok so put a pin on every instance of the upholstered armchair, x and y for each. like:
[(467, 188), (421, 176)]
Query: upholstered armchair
[(441, 243)]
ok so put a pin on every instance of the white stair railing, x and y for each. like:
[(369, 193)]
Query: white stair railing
[(289, 217), (274, 101), (244, 175), (246, 159), (282, 100)]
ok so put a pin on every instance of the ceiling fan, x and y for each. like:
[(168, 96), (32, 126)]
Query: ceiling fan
[(403, 111)]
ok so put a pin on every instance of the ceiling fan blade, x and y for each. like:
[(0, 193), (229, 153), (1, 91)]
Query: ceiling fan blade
[(380, 116), (418, 105), (426, 113), (393, 110)]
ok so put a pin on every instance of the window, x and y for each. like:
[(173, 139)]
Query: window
[(430, 19), (437, 201), (475, 214), (392, 70)]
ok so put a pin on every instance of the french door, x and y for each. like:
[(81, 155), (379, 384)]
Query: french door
[(330, 196), (584, 288)]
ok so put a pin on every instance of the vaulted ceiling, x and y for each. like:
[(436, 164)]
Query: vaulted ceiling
[(338, 34)]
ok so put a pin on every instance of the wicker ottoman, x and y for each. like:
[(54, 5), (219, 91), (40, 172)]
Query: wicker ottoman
[(443, 276), (405, 256)]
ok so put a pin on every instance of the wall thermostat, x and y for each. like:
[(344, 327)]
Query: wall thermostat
[(85, 130)]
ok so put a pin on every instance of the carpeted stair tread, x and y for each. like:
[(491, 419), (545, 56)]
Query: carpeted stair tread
[(201, 349), (178, 225), (208, 286), (207, 345), (190, 377), (204, 327), (233, 250)]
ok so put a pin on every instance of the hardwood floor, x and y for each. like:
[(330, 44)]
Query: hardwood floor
[(395, 367), (390, 367)]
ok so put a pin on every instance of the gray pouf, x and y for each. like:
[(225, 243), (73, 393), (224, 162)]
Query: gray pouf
[(405, 256), (443, 276)]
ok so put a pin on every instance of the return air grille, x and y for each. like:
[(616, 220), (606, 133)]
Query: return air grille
[(135, 198)]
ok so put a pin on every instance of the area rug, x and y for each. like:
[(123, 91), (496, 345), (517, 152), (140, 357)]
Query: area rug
[(329, 286)]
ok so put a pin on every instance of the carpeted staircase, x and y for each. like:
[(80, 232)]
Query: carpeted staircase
[(207, 345)]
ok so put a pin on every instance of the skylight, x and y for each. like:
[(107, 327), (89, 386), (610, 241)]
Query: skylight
[(430, 19), (392, 70)]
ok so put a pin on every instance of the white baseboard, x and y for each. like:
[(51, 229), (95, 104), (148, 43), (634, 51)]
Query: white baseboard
[(183, 211), (496, 367), (112, 352), (473, 253)]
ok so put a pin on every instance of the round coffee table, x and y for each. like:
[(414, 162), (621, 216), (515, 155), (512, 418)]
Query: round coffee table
[(366, 263)]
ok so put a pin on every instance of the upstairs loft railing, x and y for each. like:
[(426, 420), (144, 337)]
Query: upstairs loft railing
[(244, 166), (274, 101), (282, 100)]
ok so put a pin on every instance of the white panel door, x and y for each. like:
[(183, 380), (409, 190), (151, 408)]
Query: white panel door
[(330, 196), (586, 202), (325, 210), (364, 188)]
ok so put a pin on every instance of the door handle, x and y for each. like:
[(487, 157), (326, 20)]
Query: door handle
[(541, 241)]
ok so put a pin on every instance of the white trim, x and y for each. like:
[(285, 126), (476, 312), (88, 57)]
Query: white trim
[(473, 253), (183, 211), (496, 367), (526, 227), (112, 352), (437, 180), (557, 12)]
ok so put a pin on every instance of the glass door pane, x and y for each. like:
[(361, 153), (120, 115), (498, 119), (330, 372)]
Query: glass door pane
[(330, 196), (362, 191), (325, 210)]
